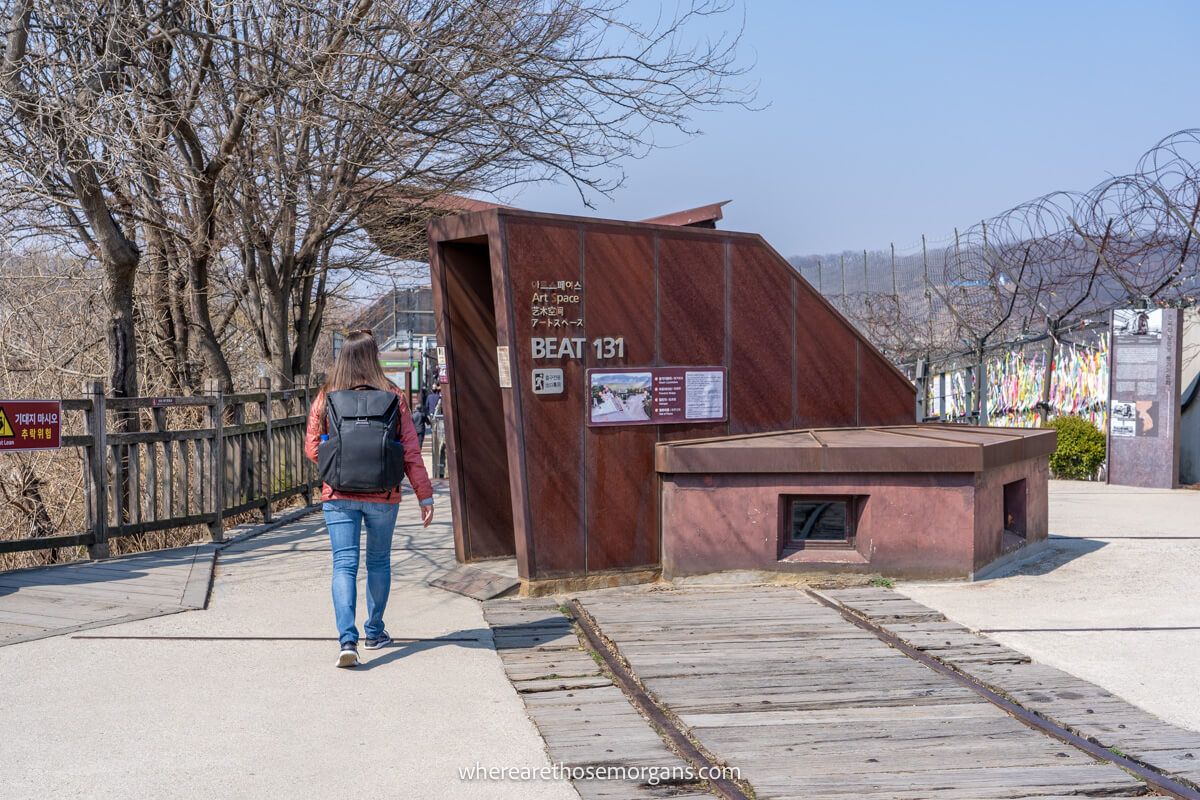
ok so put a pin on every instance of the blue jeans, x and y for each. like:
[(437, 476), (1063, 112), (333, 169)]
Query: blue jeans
[(344, 519)]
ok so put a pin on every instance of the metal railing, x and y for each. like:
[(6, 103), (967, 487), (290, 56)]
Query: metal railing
[(159, 463)]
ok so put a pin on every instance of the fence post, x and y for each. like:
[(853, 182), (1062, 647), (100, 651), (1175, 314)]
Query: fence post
[(895, 290), (1043, 406), (842, 262), (305, 464), (97, 468), (267, 451), (920, 373), (216, 458), (928, 293), (981, 387)]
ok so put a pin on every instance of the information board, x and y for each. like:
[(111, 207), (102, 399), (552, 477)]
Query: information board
[(656, 395), (30, 425), (1143, 437)]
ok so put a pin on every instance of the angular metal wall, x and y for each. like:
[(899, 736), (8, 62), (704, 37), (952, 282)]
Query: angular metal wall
[(585, 499)]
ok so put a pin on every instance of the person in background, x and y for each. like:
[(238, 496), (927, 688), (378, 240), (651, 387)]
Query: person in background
[(419, 421), (432, 401), (346, 513)]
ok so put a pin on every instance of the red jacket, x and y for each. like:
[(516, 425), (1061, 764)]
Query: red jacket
[(414, 465)]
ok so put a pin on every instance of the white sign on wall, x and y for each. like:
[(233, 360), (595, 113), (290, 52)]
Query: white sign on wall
[(548, 381), (504, 366)]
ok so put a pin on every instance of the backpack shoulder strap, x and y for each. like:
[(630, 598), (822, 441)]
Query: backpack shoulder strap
[(332, 420), (393, 413)]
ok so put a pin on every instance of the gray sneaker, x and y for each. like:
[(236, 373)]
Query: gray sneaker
[(348, 655), (382, 640)]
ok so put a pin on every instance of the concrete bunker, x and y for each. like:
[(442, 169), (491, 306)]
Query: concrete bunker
[(918, 501)]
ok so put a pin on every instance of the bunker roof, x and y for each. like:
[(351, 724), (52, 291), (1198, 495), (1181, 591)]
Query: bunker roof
[(900, 448)]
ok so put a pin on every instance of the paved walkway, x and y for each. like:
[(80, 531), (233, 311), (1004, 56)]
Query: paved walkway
[(51, 601), (243, 701), (1112, 599)]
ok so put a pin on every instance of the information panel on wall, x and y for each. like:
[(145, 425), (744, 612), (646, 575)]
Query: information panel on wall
[(656, 395), (1143, 447)]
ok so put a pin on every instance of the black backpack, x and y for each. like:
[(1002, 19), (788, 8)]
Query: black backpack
[(363, 452)]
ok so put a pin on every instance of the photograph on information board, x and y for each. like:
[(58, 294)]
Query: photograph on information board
[(656, 396), (1138, 322), (621, 397)]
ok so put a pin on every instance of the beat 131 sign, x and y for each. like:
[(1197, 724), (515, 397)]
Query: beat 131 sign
[(558, 304), (30, 425), (567, 347)]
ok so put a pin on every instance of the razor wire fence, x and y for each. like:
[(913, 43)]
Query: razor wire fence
[(1005, 322)]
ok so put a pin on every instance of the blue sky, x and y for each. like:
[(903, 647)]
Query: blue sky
[(888, 120)]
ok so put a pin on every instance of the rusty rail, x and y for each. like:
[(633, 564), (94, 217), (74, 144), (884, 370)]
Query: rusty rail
[(668, 727), (1156, 780)]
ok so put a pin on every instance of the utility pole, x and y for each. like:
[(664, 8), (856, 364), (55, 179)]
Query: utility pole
[(981, 383)]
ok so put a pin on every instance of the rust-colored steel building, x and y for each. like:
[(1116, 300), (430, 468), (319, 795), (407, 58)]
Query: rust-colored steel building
[(575, 345)]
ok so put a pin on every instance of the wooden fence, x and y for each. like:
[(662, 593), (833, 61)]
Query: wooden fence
[(184, 461)]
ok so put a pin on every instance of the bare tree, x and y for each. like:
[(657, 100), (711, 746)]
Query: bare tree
[(54, 74), (436, 97), (235, 146), (122, 120)]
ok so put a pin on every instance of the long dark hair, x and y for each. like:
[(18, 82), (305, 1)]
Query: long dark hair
[(357, 365)]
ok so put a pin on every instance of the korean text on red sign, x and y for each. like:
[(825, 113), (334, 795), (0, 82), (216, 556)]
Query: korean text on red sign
[(30, 425)]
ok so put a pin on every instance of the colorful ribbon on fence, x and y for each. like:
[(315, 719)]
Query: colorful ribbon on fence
[(1078, 385), (1015, 383)]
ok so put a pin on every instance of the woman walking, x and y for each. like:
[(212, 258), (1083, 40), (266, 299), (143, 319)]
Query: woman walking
[(361, 435)]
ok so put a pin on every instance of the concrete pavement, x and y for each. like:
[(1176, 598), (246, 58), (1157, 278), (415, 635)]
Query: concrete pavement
[(228, 703), (1113, 598), (241, 700)]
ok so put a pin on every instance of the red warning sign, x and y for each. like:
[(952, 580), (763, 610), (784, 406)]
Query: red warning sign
[(30, 425)]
